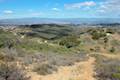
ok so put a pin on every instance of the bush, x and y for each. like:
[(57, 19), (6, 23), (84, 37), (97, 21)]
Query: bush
[(97, 34), (4, 57), (11, 72), (111, 31), (116, 75), (106, 40), (112, 50), (7, 42), (70, 41), (107, 68)]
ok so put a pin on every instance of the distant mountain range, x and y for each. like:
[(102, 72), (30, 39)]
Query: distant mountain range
[(25, 21)]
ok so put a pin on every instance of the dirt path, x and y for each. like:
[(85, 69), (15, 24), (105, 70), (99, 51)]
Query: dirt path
[(80, 71), (113, 56)]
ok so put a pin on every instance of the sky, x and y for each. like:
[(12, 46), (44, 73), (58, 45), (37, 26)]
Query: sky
[(59, 8)]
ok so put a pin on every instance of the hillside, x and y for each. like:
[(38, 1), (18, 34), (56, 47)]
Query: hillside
[(60, 52)]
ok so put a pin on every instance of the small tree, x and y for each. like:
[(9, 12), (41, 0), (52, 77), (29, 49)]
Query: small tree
[(106, 41)]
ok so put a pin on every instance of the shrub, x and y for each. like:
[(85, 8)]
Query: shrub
[(4, 36), (4, 57), (106, 40), (11, 72), (97, 34), (116, 75), (111, 31), (112, 50), (70, 41), (7, 42), (107, 68)]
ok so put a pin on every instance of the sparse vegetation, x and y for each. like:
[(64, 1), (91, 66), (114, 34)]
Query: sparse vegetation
[(112, 50), (107, 68), (97, 34), (44, 69), (44, 48), (9, 71)]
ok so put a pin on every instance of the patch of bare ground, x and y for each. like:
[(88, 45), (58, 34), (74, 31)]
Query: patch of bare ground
[(83, 70), (116, 36)]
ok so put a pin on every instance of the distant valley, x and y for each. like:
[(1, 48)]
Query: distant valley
[(23, 21)]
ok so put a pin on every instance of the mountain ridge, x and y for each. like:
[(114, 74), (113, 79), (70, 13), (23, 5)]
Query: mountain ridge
[(20, 21)]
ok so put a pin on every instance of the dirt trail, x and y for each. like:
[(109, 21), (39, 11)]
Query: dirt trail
[(117, 56), (113, 56), (80, 71)]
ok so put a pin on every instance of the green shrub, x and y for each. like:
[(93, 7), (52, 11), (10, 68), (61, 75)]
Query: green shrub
[(106, 40), (116, 75), (97, 34), (112, 50), (70, 41), (7, 39)]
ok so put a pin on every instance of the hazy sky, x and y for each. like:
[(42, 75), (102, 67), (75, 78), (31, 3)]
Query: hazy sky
[(60, 8)]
